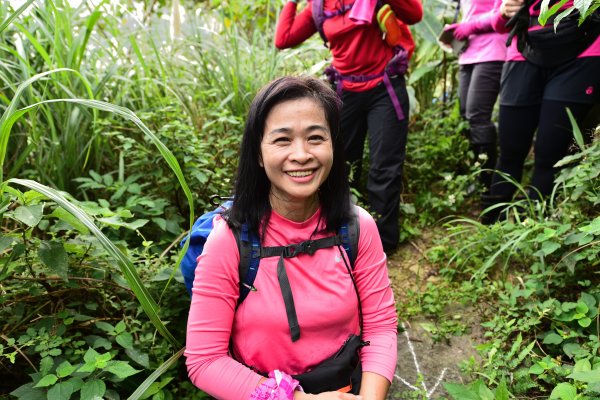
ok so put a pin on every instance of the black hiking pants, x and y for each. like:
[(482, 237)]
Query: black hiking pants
[(372, 113)]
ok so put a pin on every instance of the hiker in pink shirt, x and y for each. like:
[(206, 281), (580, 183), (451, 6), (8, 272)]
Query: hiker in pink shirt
[(547, 71), (479, 79), (319, 321)]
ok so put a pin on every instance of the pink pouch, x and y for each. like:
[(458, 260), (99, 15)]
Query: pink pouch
[(362, 11)]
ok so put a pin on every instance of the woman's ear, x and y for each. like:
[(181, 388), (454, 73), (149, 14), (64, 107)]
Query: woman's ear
[(260, 161)]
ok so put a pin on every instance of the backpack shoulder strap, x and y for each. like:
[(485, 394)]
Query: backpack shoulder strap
[(249, 249), (318, 15), (350, 232)]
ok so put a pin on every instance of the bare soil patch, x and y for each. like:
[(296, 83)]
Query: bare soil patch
[(424, 364)]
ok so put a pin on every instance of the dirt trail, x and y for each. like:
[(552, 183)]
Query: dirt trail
[(418, 354)]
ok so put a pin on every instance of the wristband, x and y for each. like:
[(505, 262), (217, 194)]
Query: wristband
[(279, 386)]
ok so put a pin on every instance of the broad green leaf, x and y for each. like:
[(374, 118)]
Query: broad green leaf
[(47, 380), (553, 338), (5, 242), (60, 391), (65, 369), (125, 339), (588, 299), (30, 215), (76, 382), (116, 222), (584, 322), (501, 392), (105, 326), (68, 218), (121, 369), (90, 355), (28, 392), (138, 357), (548, 248), (54, 256), (536, 369), (120, 327), (582, 365), (571, 349), (87, 367), (93, 390), (461, 392), (564, 391), (586, 376)]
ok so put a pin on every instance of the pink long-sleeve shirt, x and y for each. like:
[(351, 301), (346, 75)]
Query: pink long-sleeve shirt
[(486, 46), (325, 301), (512, 54)]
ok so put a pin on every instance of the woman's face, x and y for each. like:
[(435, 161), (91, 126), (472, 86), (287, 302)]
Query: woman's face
[(296, 152)]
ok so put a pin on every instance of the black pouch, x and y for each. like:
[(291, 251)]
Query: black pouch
[(336, 372), (547, 48)]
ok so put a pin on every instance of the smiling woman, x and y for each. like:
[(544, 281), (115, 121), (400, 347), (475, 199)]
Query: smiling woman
[(297, 155), (321, 317)]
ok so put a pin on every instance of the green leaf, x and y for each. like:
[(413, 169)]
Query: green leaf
[(564, 391), (121, 369), (116, 222), (582, 365), (501, 392), (70, 220), (548, 248), (460, 392), (120, 327), (93, 390), (138, 357), (30, 215), (125, 339), (5, 242), (105, 326), (54, 256), (553, 338), (90, 355), (65, 369), (60, 391), (47, 380), (28, 392), (536, 369), (46, 365), (155, 375), (586, 376), (584, 322), (571, 349)]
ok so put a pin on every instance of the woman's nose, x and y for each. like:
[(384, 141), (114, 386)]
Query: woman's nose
[(300, 151)]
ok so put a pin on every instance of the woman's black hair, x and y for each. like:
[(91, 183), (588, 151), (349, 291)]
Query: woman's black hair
[(251, 193)]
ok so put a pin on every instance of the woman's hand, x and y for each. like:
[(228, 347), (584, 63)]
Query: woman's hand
[(510, 7), (326, 396)]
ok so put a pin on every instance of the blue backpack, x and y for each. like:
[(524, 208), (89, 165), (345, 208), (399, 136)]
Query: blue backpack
[(251, 251)]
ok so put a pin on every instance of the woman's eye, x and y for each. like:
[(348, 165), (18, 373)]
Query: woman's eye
[(316, 138), (281, 140)]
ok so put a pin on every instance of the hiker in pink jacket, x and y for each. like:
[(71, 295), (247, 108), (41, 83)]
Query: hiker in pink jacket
[(479, 78), (318, 321), (545, 73)]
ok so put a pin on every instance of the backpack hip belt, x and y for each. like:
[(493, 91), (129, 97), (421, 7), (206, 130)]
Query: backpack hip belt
[(396, 66)]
